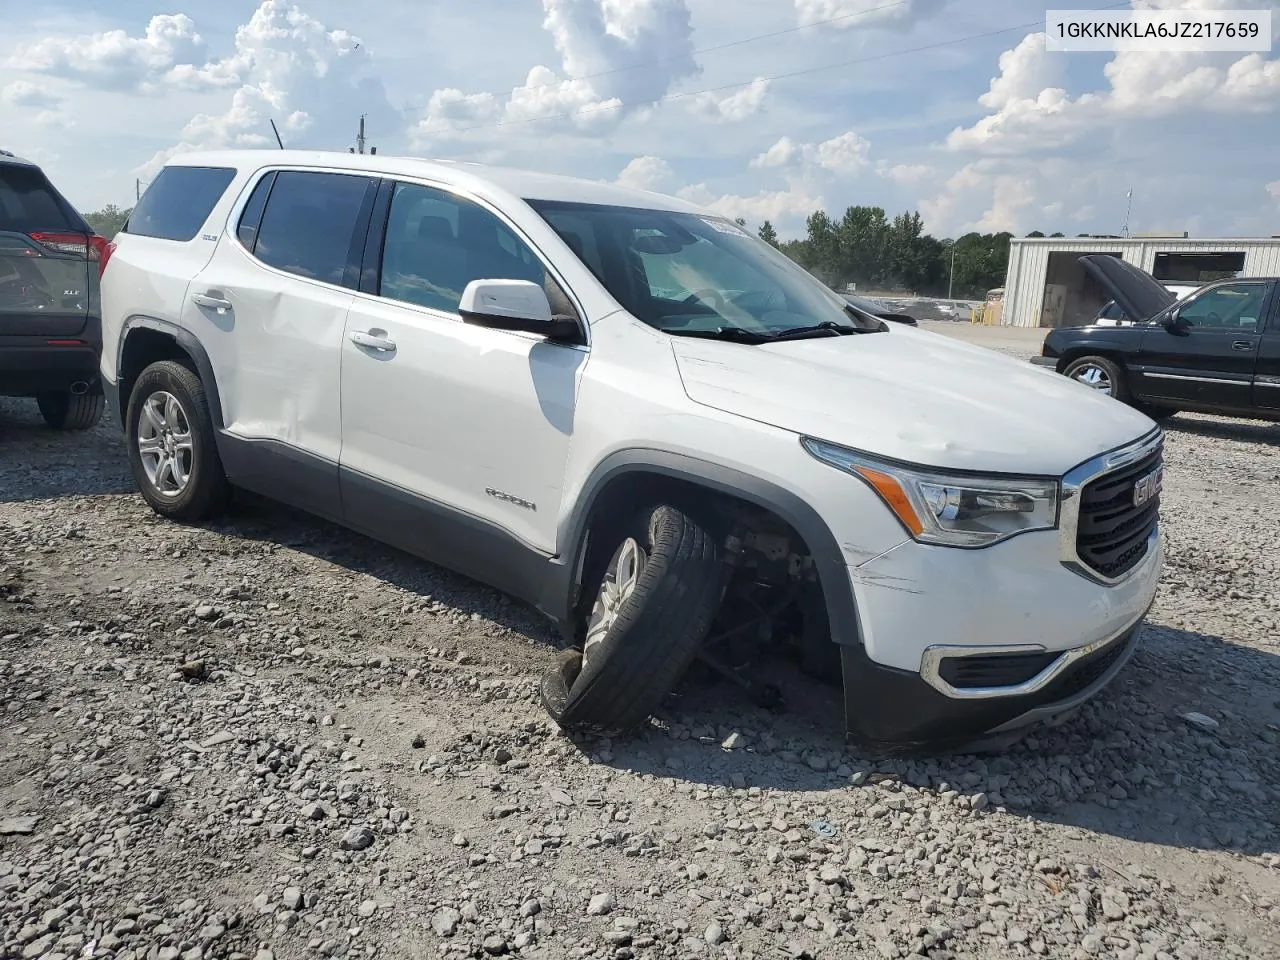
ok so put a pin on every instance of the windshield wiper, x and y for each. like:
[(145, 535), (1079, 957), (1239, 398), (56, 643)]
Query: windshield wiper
[(735, 334), (826, 326)]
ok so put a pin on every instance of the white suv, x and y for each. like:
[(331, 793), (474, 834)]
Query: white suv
[(644, 421)]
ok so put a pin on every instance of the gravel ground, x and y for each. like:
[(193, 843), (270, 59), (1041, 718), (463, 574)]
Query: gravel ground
[(271, 738)]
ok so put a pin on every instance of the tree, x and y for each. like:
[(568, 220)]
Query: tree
[(108, 221), (768, 234), (740, 221), (1036, 233)]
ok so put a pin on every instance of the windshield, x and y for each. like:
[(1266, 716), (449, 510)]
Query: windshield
[(688, 274)]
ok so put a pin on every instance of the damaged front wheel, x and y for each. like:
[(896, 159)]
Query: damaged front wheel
[(655, 600)]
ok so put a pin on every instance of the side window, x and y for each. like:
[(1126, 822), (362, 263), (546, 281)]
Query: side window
[(437, 243), (310, 223), (178, 202), (251, 218), (1231, 306)]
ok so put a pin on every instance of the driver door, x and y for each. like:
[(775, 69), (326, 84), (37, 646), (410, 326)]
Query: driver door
[(1209, 358)]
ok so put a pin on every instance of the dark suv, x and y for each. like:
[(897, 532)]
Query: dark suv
[(50, 332)]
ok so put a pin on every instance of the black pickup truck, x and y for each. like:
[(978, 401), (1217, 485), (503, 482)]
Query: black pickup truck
[(1217, 351)]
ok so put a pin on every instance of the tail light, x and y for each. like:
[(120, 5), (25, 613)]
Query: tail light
[(75, 243), (104, 249), (93, 248)]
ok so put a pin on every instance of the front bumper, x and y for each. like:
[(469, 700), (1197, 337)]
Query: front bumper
[(1050, 362), (889, 710)]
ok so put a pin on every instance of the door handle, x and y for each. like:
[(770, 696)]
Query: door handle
[(1242, 345), (213, 303), (372, 340)]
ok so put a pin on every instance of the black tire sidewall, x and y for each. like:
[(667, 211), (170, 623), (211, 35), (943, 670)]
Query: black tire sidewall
[(206, 479), (71, 411)]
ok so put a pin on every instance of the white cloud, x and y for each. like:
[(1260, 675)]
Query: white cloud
[(116, 61), (906, 173), (844, 155), (853, 14), (646, 173), (600, 42), (734, 108), (782, 154), (1273, 188), (24, 93), (1024, 71), (774, 205), (290, 68), (1031, 111)]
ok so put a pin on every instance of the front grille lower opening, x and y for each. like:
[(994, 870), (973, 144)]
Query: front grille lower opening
[(993, 670)]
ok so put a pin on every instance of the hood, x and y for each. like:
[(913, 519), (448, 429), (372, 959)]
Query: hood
[(911, 395), (1139, 294)]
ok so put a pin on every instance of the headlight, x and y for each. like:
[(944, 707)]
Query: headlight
[(948, 509)]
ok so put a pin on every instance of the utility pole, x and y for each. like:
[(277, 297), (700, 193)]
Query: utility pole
[(137, 189), (951, 281), (1127, 210)]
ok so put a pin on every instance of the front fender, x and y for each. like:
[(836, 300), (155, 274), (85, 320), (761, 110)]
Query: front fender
[(828, 557)]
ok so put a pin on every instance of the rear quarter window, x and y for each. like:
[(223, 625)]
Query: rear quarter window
[(178, 202), (29, 203)]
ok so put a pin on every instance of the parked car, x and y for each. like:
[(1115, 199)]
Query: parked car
[(1110, 315), (49, 328), (1215, 351), (473, 364), (878, 308)]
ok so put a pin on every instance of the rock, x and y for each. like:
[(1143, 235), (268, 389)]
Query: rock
[(734, 741), (357, 838), (206, 611), (418, 741), (155, 799), (495, 945), (500, 756), (601, 904), (530, 908), (193, 670), (292, 899), (367, 909), (1115, 904), (714, 934), (314, 811), (18, 826), (1200, 721), (445, 922)]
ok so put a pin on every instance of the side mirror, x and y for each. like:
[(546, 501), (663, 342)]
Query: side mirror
[(1175, 324), (514, 305)]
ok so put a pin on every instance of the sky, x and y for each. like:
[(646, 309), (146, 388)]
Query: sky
[(767, 109)]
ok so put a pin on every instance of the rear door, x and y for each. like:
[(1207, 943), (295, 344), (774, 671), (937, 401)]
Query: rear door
[(1211, 359), (1266, 379), (47, 280), (270, 307)]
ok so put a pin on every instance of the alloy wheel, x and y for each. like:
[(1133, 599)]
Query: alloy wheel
[(1094, 376), (165, 444), (619, 583)]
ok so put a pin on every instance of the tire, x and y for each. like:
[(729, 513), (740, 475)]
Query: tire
[(1108, 371), (189, 445), (1158, 414), (70, 411), (627, 667)]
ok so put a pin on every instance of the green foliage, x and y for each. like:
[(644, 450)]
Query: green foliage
[(877, 253), (108, 221)]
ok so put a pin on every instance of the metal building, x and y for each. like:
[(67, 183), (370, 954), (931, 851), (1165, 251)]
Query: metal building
[(1047, 287)]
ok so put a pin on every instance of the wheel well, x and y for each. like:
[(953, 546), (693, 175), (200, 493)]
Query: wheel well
[(143, 347), (1071, 356), (758, 537)]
